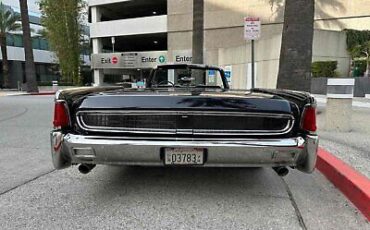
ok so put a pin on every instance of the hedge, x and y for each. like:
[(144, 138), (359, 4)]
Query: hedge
[(361, 65), (324, 69)]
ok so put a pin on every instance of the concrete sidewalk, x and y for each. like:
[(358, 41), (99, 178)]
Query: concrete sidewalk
[(22, 93), (351, 147), (43, 90), (12, 93), (6, 92), (344, 157)]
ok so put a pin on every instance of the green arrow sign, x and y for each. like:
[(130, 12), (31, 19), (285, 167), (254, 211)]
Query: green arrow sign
[(162, 59)]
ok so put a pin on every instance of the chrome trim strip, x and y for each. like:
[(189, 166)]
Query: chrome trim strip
[(156, 138), (287, 128), (102, 140), (184, 112)]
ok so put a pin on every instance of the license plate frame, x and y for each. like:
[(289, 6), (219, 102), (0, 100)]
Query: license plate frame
[(184, 156)]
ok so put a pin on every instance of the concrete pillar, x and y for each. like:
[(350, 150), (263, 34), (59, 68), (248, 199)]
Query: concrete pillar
[(98, 73), (97, 46), (339, 105)]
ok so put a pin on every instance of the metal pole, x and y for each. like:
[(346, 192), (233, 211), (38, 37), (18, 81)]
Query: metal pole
[(113, 39), (253, 84)]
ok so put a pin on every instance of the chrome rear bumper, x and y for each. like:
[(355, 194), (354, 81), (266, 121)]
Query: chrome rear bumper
[(299, 152)]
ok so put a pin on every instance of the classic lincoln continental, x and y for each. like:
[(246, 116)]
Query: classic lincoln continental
[(186, 116)]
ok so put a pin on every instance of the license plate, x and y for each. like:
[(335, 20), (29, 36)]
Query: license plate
[(184, 156)]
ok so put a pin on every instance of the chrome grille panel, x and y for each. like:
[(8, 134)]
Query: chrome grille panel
[(185, 122)]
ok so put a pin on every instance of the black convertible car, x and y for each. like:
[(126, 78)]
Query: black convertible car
[(186, 116)]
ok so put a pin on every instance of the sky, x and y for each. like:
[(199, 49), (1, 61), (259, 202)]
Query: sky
[(33, 8)]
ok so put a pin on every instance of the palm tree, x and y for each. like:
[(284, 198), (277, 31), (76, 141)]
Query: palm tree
[(296, 47), (28, 52), (198, 37), (198, 31), (8, 22)]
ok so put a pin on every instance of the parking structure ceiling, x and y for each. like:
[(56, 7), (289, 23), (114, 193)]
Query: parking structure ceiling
[(133, 9), (144, 42)]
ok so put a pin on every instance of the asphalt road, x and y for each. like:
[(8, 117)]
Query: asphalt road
[(34, 196)]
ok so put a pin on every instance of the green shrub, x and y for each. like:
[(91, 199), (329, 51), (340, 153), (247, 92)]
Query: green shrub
[(324, 69), (361, 65)]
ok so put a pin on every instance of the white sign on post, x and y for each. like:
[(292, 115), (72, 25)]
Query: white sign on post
[(252, 31), (252, 28)]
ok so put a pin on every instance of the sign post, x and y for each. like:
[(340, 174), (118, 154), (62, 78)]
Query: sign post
[(113, 39), (252, 32), (253, 70)]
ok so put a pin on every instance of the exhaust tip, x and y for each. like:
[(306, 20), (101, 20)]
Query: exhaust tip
[(281, 171), (85, 168)]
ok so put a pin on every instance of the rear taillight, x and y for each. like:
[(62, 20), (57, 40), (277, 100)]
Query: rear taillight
[(308, 121), (61, 116)]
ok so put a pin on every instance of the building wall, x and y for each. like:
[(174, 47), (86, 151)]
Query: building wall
[(219, 14), (328, 45), (350, 14), (329, 14), (224, 41), (16, 74), (143, 25), (225, 44), (331, 46), (16, 60), (17, 54)]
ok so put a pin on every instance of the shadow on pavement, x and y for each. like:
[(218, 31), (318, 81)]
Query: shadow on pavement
[(210, 181)]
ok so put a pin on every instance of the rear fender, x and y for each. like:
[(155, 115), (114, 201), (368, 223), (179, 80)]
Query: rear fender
[(60, 160)]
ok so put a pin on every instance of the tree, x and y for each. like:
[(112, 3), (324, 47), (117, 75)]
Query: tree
[(62, 20), (198, 31), (296, 45), (358, 45), (198, 38), (9, 21), (28, 52)]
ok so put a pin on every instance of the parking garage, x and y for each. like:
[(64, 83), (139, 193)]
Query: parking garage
[(129, 38)]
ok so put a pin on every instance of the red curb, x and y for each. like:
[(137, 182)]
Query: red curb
[(354, 185)]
